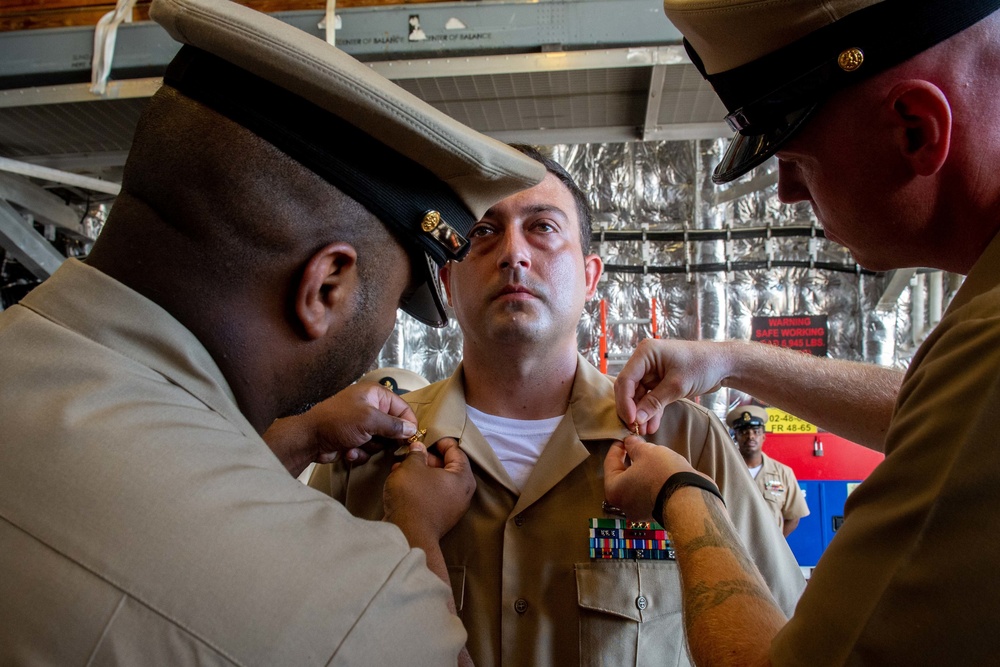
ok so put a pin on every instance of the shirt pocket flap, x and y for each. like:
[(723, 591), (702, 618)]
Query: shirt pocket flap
[(633, 589)]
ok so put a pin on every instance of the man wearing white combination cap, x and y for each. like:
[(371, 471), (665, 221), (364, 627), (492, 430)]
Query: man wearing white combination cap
[(775, 481), (882, 117), (279, 203)]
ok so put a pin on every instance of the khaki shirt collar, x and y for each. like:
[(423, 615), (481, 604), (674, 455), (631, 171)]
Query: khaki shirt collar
[(97, 306), (592, 404), (984, 276), (444, 415), (590, 416)]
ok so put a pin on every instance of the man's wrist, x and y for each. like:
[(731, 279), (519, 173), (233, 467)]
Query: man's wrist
[(679, 480), (294, 445), (730, 353), (417, 533)]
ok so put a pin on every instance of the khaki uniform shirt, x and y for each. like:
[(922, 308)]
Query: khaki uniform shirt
[(523, 580), (911, 576), (144, 522), (780, 489)]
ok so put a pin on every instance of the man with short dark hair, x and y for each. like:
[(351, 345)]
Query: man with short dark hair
[(881, 115), (535, 579), (278, 205)]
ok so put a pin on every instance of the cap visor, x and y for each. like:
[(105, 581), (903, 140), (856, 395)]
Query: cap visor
[(748, 151), (426, 304)]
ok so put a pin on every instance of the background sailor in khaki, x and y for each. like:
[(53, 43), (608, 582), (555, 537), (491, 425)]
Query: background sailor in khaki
[(244, 272), (775, 480), (536, 420)]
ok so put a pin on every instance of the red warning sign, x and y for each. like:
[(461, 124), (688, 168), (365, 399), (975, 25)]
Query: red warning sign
[(805, 333)]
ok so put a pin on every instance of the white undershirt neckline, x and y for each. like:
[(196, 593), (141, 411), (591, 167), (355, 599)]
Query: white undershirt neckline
[(755, 470), (518, 443)]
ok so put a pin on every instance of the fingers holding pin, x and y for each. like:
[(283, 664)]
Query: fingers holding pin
[(416, 437), (635, 431)]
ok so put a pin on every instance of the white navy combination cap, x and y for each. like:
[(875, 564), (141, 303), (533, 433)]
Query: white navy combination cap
[(397, 380), (774, 62), (427, 177), (746, 416)]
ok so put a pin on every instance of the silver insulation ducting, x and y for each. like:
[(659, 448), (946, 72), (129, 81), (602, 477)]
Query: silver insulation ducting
[(702, 261)]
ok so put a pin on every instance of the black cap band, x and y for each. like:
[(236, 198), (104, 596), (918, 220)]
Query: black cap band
[(393, 187), (799, 77), (808, 70)]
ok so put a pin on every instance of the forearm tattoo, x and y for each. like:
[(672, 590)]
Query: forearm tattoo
[(718, 533), (703, 597)]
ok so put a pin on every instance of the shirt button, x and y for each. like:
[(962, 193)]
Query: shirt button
[(640, 602), (521, 605), (519, 520)]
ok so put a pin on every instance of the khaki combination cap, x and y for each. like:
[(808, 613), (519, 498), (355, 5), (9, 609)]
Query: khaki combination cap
[(427, 177), (774, 62), (746, 416)]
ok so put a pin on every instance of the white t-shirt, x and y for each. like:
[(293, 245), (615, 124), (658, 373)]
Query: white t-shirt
[(753, 471), (517, 442)]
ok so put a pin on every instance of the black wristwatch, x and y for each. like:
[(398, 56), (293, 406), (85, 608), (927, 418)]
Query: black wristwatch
[(676, 481)]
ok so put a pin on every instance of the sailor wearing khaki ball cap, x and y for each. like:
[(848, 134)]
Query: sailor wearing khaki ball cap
[(279, 203), (882, 115)]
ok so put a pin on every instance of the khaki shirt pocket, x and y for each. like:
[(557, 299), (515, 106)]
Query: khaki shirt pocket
[(774, 489), (630, 613), (777, 499)]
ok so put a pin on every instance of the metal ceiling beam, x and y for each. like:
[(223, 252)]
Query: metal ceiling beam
[(78, 92), (552, 137), (79, 161), (760, 181), (372, 33), (609, 134), (456, 40), (27, 246), (899, 281), (658, 57), (657, 76), (687, 132), (523, 63), (40, 202), (64, 177), (476, 27)]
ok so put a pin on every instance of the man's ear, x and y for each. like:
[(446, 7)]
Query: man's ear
[(593, 267), (325, 293), (444, 273), (920, 116)]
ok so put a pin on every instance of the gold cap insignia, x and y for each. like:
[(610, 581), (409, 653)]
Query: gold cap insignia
[(430, 221), (851, 59), (443, 233)]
